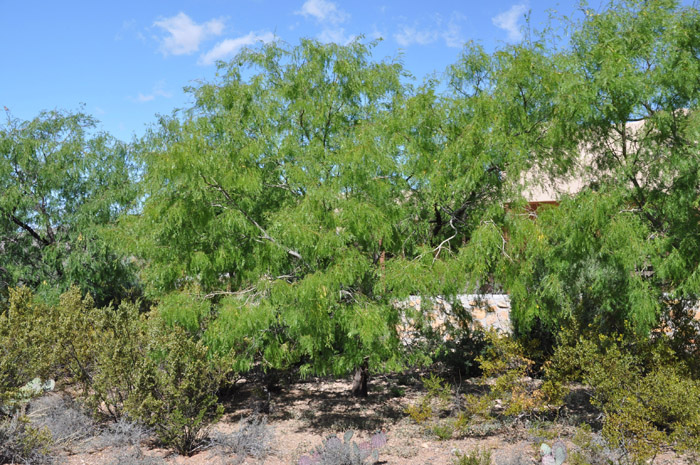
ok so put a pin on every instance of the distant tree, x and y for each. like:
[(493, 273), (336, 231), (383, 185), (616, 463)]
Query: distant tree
[(61, 184)]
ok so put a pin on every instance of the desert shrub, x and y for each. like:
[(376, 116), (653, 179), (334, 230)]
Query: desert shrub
[(438, 397), (75, 336), (62, 417), (22, 346), (647, 398), (590, 448), (20, 442), (175, 391), (40, 340), (473, 457), (122, 433), (437, 402), (506, 371), (443, 430), (253, 438), (336, 451), (121, 357), (459, 353)]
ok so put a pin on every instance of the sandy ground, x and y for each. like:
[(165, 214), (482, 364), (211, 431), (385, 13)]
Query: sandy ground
[(304, 413)]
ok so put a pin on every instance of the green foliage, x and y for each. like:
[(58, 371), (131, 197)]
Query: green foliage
[(47, 341), (443, 430), (175, 391), (21, 355), (185, 310), (61, 184), (473, 457), (437, 398), (642, 390), (506, 370), (282, 194), (128, 364), (616, 110), (121, 357)]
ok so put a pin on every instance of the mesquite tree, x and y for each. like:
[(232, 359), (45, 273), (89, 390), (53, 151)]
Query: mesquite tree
[(617, 109), (61, 184), (282, 194)]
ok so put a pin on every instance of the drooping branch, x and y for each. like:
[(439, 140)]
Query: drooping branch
[(263, 231)]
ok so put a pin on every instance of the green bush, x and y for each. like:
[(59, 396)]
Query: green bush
[(473, 457), (22, 342), (39, 340), (647, 398), (121, 357), (175, 389), (505, 362)]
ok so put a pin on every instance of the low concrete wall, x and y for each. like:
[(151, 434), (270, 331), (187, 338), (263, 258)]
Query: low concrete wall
[(488, 311)]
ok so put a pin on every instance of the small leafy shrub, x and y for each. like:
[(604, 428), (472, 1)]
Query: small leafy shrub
[(335, 451), (122, 356), (438, 389), (443, 430), (459, 353), (438, 396), (254, 438), (45, 341), (74, 337), (421, 411), (641, 389), (175, 392), (20, 442), (505, 363), (590, 448), (473, 457), (22, 343)]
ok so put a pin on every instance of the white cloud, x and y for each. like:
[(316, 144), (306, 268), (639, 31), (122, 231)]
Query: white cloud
[(323, 11), (158, 91), (337, 36), (452, 35), (376, 33), (330, 17), (230, 47), (410, 35), (185, 35), (144, 98), (451, 32), (509, 21)]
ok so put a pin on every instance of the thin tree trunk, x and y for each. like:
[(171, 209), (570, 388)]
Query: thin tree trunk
[(359, 382)]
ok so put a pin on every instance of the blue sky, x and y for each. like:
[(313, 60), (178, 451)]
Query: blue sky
[(128, 61)]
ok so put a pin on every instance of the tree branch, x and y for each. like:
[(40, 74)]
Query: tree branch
[(27, 228), (265, 235)]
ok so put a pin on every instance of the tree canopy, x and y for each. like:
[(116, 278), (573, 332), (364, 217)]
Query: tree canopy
[(61, 183), (310, 188)]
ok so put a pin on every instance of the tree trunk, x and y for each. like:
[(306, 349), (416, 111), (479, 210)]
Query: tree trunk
[(359, 382)]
